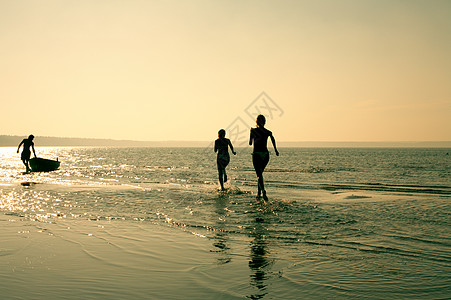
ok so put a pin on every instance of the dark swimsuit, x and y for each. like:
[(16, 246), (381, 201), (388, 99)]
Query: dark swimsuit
[(26, 153), (223, 158), (260, 159), (260, 156)]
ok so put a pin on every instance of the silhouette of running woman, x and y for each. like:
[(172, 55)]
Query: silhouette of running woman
[(26, 153), (222, 147), (260, 156)]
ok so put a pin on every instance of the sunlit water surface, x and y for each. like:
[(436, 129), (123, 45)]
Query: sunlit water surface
[(342, 223)]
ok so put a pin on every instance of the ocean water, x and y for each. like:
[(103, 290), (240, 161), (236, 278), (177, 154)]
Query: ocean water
[(369, 223)]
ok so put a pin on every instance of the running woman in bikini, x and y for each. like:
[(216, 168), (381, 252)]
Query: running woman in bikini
[(260, 156), (222, 147), (26, 153)]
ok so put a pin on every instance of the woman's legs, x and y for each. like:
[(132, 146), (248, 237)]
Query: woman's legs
[(261, 184), (221, 175), (222, 164), (259, 166)]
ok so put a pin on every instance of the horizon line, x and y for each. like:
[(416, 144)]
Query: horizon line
[(202, 141), (11, 139)]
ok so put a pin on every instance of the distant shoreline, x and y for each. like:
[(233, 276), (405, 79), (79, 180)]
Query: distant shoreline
[(45, 141)]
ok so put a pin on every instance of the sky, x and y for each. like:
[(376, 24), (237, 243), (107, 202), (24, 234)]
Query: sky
[(320, 70)]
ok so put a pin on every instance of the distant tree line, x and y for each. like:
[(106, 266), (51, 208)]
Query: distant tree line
[(46, 141)]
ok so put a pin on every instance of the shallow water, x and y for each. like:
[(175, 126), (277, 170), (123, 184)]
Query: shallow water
[(342, 223)]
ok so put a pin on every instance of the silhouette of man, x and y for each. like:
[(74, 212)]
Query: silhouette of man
[(26, 153)]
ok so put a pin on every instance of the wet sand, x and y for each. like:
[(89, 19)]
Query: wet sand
[(81, 259)]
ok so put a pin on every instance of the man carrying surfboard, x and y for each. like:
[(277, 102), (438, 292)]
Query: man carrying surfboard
[(26, 153)]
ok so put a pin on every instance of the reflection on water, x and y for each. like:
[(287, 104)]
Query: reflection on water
[(220, 237), (259, 260), (259, 263)]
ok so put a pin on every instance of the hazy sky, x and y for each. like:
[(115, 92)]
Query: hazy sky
[(181, 70)]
